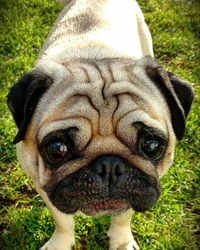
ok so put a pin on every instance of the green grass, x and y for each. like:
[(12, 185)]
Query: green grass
[(173, 222)]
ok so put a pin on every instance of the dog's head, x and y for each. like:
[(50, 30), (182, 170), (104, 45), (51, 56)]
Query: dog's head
[(98, 135)]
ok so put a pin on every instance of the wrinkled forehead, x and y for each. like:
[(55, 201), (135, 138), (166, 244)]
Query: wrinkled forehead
[(107, 89)]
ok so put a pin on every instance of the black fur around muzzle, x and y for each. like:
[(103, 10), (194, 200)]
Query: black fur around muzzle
[(107, 183)]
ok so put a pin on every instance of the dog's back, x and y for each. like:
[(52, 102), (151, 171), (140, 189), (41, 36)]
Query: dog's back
[(98, 29)]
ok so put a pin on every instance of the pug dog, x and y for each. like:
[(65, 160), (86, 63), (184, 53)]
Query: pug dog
[(98, 118)]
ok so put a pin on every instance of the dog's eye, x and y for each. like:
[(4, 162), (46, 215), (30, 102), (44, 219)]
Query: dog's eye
[(151, 147), (57, 151)]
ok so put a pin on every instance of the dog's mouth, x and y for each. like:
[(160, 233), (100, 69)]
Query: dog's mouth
[(70, 203), (106, 206)]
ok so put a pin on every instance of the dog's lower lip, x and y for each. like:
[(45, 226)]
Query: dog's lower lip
[(106, 205)]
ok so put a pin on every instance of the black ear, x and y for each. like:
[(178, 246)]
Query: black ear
[(177, 93), (183, 90), (23, 98)]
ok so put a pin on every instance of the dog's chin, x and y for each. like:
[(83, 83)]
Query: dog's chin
[(105, 206), (100, 207), (109, 206)]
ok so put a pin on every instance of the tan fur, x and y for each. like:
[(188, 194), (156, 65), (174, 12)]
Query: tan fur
[(104, 112), (98, 29), (101, 117), (97, 87)]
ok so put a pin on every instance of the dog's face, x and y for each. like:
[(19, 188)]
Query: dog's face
[(97, 136)]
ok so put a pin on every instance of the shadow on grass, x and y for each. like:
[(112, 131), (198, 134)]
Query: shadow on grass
[(26, 228)]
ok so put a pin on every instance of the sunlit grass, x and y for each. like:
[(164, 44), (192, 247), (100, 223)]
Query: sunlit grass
[(172, 224)]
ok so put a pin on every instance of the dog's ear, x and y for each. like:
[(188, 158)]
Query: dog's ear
[(177, 93), (23, 98)]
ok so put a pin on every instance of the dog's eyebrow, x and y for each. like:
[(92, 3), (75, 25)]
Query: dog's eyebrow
[(68, 132), (140, 126)]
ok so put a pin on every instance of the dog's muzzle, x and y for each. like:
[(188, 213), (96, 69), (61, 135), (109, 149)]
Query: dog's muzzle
[(108, 184)]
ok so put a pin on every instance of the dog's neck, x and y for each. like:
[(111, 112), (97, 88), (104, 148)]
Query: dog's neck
[(96, 29)]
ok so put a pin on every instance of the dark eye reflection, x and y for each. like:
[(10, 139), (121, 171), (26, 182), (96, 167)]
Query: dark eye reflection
[(151, 147), (57, 151), (151, 142), (58, 147)]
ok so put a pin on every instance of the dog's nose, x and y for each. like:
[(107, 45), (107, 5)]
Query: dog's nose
[(109, 168)]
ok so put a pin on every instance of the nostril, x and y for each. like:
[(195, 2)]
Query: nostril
[(104, 171), (119, 169), (98, 169), (109, 168)]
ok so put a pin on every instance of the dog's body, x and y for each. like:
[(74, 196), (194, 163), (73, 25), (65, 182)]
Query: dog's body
[(99, 119), (92, 29)]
